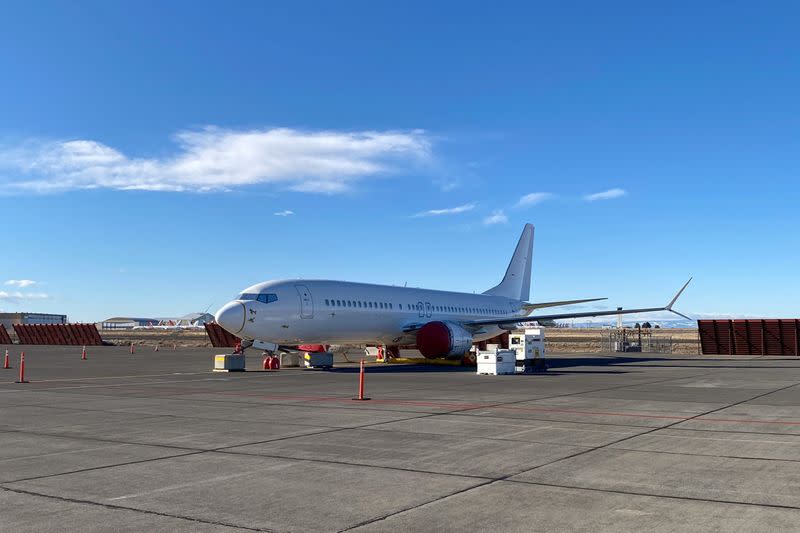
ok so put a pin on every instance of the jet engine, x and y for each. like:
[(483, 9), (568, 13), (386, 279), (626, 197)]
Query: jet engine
[(442, 339)]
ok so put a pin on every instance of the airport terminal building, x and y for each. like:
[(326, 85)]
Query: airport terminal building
[(9, 319)]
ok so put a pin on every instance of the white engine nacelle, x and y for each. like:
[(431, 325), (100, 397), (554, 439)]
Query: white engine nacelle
[(442, 339)]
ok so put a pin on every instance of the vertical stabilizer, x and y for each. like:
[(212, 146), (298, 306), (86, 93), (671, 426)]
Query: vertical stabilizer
[(517, 281)]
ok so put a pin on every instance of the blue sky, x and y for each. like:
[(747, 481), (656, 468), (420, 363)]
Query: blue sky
[(145, 148)]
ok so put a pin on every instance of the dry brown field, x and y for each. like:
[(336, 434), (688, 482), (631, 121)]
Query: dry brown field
[(559, 340)]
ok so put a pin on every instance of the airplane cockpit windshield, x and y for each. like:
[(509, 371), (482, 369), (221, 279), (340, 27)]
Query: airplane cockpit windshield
[(263, 298)]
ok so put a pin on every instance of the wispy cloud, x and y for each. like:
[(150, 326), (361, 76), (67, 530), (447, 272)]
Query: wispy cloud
[(447, 211), (212, 159), (610, 194), (497, 217), (284, 213), (22, 296), (533, 199), (21, 283)]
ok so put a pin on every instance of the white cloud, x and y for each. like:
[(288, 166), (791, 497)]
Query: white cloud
[(212, 159), (22, 296), (21, 283), (605, 195), (497, 217), (447, 211), (284, 213), (533, 198)]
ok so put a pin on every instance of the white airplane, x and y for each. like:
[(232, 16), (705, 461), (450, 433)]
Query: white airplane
[(439, 323)]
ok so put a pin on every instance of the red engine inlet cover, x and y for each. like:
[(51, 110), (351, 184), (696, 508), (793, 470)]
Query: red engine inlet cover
[(433, 340)]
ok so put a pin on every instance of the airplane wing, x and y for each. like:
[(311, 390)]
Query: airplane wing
[(529, 307), (530, 318), (477, 324)]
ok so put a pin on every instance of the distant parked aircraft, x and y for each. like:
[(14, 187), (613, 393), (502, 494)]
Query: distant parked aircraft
[(190, 321)]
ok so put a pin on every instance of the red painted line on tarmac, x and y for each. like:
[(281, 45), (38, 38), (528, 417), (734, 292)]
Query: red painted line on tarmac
[(516, 408), (751, 421), (592, 413), (441, 405), (348, 400)]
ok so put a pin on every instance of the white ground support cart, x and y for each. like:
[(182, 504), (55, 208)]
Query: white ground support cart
[(496, 362)]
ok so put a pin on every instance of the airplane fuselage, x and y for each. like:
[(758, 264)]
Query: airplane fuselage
[(293, 312)]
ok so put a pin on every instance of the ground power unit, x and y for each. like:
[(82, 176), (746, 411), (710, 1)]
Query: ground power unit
[(529, 348)]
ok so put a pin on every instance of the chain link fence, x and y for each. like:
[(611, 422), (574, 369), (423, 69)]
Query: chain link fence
[(637, 341)]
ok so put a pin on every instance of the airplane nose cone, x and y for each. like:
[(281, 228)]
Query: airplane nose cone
[(231, 317)]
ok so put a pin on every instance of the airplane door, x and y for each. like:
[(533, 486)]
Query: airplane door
[(421, 309), (428, 309), (306, 302)]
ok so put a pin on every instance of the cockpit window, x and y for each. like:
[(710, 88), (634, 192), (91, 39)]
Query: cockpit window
[(263, 298), (267, 298)]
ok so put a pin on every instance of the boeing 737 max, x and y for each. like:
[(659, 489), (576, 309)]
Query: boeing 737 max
[(439, 323)]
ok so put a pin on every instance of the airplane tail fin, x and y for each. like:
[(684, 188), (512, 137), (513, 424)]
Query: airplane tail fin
[(517, 281)]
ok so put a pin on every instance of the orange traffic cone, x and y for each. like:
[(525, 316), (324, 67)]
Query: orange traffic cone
[(6, 362), (22, 369), (83, 354), (361, 396)]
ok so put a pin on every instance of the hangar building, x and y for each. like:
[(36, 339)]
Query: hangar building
[(124, 322)]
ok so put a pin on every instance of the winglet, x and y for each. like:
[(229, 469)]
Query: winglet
[(675, 299)]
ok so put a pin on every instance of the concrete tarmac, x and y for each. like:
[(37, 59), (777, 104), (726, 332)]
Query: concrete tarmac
[(157, 442)]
